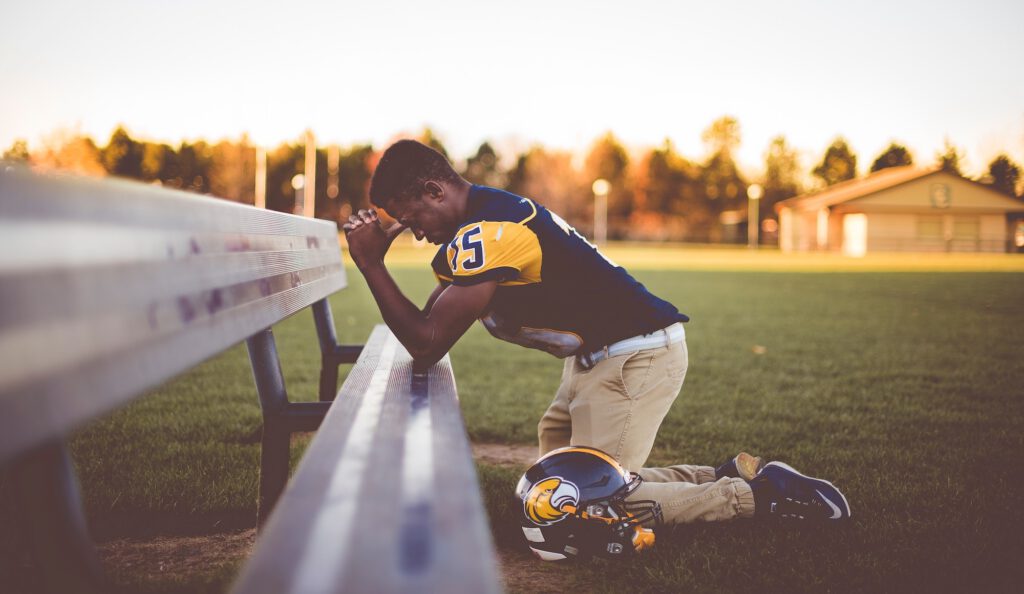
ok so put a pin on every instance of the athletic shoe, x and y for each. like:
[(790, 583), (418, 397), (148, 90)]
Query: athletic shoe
[(780, 491), (743, 466)]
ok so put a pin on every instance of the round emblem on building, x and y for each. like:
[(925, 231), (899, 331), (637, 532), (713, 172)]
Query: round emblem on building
[(940, 196)]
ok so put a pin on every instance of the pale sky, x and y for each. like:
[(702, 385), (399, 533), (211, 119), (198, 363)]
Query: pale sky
[(558, 72)]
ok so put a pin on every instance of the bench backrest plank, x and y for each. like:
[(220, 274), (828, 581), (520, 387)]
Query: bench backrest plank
[(109, 288), (400, 511)]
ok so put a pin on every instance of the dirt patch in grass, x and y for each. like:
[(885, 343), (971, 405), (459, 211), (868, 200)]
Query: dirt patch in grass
[(178, 556), (159, 558), (522, 572), (505, 455)]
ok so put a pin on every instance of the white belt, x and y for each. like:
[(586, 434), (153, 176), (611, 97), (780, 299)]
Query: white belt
[(660, 338)]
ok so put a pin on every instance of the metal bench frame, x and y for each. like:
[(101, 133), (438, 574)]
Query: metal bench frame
[(48, 492), (281, 417), (407, 479), (237, 271)]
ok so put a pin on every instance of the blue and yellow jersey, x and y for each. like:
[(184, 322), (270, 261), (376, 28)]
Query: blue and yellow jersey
[(556, 292)]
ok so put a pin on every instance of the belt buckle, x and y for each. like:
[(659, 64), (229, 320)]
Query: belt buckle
[(587, 359)]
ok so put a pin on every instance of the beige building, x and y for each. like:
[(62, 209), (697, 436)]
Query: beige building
[(902, 209)]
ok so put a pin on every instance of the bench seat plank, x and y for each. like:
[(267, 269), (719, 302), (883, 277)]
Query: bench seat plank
[(109, 288), (386, 497)]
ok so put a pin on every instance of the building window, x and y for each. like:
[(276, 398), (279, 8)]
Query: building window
[(966, 228), (929, 227)]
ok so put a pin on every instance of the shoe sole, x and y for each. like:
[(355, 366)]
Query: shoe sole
[(747, 466), (823, 483)]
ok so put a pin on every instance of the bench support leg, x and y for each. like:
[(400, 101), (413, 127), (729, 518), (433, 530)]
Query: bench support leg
[(266, 369), (273, 468), (49, 498), (332, 354), (281, 418)]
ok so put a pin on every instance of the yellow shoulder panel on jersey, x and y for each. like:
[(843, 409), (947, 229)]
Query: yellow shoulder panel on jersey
[(533, 214), (496, 249)]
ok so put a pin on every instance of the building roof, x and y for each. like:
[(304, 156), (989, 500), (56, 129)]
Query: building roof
[(889, 178), (856, 188)]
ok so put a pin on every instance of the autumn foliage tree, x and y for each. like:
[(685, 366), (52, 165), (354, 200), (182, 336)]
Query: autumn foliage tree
[(896, 155), (549, 177), (1003, 175), (18, 152), (668, 191), (950, 158), (838, 164), (483, 168), (781, 175), (656, 194), (724, 187), (159, 162), (608, 159), (123, 155), (354, 172), (69, 151), (232, 172)]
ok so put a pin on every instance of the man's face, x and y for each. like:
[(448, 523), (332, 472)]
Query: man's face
[(424, 216)]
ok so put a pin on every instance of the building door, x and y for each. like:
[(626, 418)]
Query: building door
[(966, 234), (855, 235), (930, 234)]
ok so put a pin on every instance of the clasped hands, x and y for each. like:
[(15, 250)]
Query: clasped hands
[(368, 241)]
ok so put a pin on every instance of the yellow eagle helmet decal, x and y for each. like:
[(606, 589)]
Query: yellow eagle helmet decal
[(546, 499)]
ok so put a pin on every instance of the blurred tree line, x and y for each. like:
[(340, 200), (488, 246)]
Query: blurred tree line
[(658, 194)]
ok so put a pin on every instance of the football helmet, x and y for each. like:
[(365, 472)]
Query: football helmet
[(573, 507)]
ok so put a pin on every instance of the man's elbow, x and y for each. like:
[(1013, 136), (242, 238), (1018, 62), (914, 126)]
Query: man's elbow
[(427, 354), (426, 349), (424, 359)]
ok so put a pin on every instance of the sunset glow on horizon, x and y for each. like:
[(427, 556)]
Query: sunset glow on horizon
[(559, 74)]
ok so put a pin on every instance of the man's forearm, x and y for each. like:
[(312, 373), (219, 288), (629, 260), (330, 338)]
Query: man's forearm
[(410, 325)]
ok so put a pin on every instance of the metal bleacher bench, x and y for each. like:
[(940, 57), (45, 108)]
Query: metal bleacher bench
[(110, 288)]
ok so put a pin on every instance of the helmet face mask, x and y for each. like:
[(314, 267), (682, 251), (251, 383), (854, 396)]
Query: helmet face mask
[(573, 506)]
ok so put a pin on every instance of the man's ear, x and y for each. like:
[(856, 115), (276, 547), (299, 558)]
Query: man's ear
[(434, 190)]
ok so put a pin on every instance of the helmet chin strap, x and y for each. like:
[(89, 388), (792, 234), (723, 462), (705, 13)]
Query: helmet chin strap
[(636, 512), (643, 538), (630, 531), (643, 511), (572, 509)]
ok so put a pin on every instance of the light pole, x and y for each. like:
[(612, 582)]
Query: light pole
[(309, 178), (298, 182), (601, 188), (754, 193), (333, 163), (260, 194)]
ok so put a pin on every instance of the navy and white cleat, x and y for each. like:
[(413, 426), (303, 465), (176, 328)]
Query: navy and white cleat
[(780, 491)]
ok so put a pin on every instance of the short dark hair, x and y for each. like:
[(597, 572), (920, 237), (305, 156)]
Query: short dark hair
[(404, 168)]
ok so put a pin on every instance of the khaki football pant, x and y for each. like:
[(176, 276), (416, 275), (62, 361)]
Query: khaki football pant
[(617, 406)]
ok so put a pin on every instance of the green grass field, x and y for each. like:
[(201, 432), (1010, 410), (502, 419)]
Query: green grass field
[(900, 379)]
